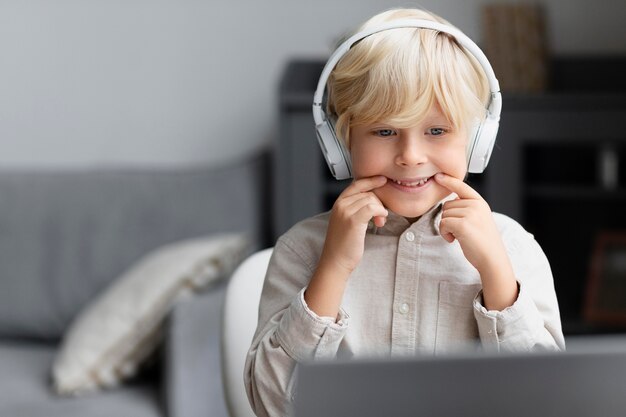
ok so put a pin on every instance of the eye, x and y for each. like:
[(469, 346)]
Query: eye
[(436, 131), (385, 133)]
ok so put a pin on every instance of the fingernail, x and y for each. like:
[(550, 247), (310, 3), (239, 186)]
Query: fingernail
[(438, 176)]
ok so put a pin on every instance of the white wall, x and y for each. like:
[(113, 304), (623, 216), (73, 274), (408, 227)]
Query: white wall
[(166, 82)]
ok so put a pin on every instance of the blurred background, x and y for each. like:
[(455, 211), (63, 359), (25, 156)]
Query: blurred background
[(85, 82), (170, 84)]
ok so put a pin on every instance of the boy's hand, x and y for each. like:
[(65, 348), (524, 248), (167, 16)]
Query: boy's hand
[(469, 220), (352, 211)]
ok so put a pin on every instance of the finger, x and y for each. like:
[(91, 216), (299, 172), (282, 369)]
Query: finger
[(347, 201), (376, 209), (369, 199), (364, 184), (457, 186), (371, 211), (451, 226), (379, 221), (449, 237), (445, 232), (466, 204), (454, 212), (457, 203)]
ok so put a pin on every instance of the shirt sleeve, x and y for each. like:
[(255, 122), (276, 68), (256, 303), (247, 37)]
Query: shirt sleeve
[(288, 332), (533, 322)]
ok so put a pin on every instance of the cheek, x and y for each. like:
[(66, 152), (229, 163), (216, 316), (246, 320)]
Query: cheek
[(365, 163), (453, 161)]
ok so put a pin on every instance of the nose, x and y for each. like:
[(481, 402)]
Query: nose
[(410, 152)]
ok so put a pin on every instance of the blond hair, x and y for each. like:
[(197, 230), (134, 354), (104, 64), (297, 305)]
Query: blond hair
[(397, 75)]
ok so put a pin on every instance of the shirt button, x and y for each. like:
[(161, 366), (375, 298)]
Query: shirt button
[(410, 236), (404, 308)]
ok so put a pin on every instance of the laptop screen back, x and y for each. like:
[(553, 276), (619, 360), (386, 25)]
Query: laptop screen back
[(588, 380)]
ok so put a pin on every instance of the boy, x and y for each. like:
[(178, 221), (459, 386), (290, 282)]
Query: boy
[(410, 260)]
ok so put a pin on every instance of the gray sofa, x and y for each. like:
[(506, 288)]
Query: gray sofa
[(64, 235)]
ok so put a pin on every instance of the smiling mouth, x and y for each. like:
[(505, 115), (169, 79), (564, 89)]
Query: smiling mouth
[(413, 183)]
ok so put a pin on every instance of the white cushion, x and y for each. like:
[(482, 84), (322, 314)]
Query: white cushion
[(122, 326)]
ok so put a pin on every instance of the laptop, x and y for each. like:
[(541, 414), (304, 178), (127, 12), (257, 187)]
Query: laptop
[(589, 380)]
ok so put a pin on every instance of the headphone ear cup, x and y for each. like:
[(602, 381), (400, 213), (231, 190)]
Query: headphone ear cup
[(336, 155), (345, 153), (484, 139)]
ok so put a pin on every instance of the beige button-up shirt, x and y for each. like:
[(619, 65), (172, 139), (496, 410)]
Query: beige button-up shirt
[(413, 293)]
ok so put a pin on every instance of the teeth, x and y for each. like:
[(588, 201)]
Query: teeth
[(412, 184)]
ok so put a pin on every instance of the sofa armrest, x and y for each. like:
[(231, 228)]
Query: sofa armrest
[(193, 372)]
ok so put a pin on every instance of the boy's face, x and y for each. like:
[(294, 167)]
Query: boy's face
[(410, 156)]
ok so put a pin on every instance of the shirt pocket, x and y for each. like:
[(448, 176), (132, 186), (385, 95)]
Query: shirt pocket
[(456, 326)]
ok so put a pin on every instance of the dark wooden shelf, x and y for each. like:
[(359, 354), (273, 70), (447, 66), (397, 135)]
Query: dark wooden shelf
[(580, 327)]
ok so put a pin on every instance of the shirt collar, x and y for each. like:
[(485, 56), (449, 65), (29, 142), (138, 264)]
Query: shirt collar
[(428, 223)]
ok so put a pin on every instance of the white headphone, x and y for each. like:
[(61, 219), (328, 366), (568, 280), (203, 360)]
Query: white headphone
[(483, 136)]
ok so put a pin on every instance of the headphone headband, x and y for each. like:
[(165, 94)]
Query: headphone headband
[(495, 104)]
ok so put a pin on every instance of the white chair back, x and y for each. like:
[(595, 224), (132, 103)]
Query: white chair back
[(241, 307)]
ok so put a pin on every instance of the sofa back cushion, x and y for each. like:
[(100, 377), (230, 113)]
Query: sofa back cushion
[(65, 235)]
